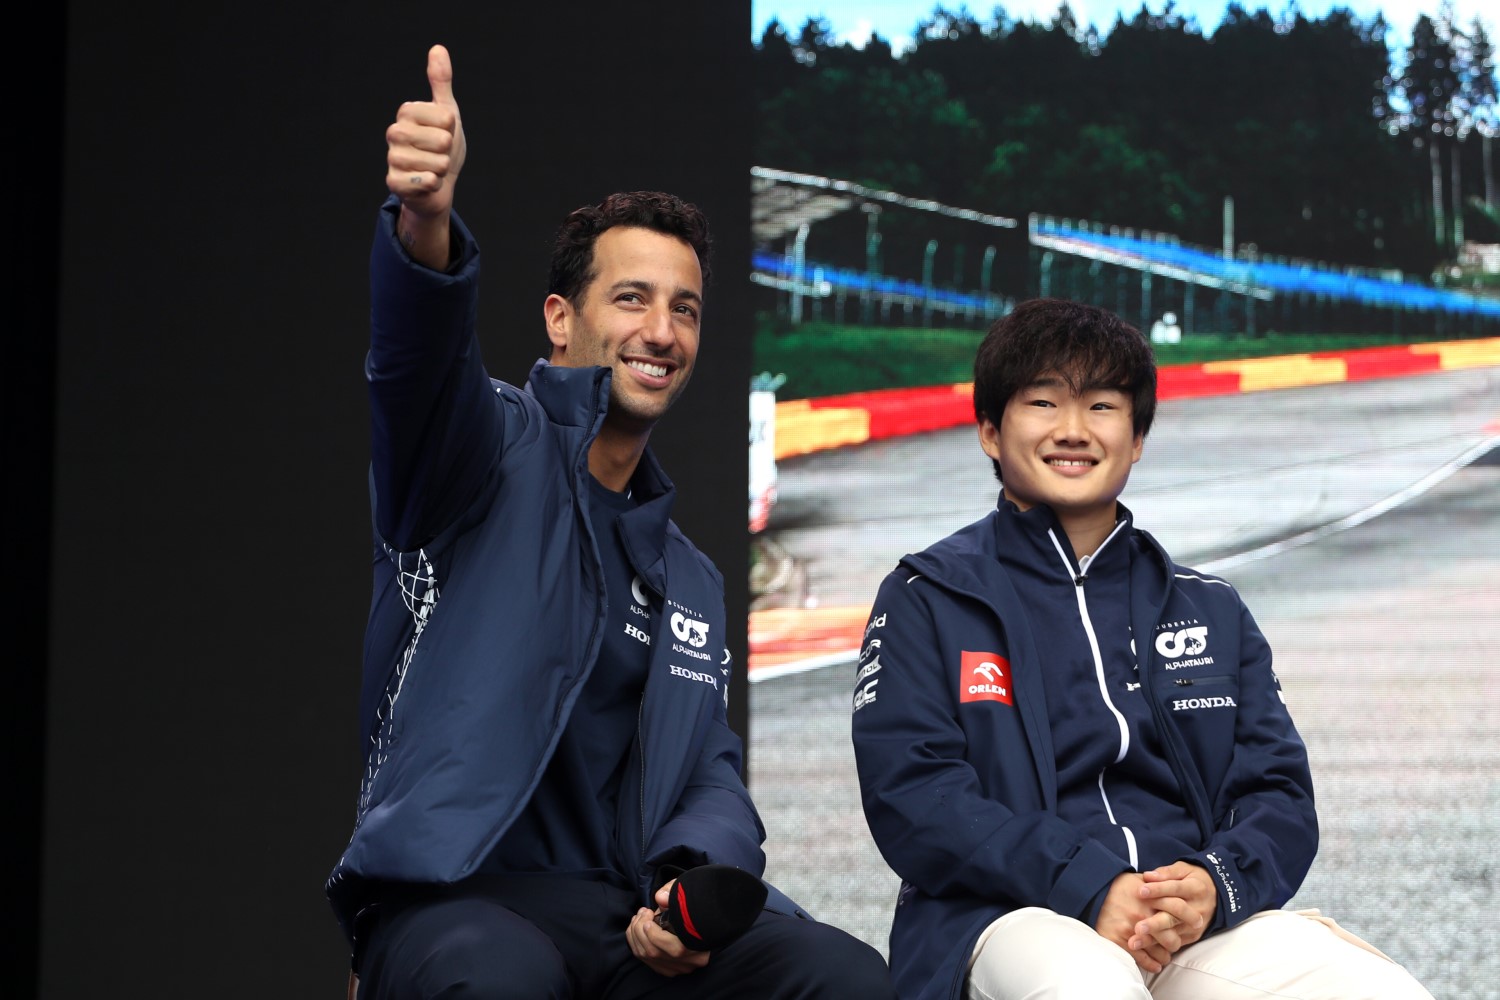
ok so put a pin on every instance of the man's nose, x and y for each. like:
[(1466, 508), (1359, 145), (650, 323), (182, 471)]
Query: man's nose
[(657, 329), (1072, 424)]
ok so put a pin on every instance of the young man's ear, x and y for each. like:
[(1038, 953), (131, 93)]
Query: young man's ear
[(989, 438), (557, 313), (1139, 449)]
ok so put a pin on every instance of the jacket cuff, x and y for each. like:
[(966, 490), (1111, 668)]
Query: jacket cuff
[(1090, 914), (1233, 905), (1080, 890), (669, 864), (463, 249), (663, 875)]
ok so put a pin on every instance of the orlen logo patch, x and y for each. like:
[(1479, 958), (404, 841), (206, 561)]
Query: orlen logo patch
[(984, 677)]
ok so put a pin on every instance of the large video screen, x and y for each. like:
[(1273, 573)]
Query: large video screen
[(1299, 208)]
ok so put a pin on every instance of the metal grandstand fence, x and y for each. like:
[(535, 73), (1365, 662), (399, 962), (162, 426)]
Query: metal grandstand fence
[(1140, 275)]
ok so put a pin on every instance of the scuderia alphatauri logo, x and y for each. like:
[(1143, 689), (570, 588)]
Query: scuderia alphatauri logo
[(689, 627), (1183, 644), (689, 630), (1221, 872)]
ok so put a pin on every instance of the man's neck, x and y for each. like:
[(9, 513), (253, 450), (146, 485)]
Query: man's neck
[(1087, 532), (613, 457)]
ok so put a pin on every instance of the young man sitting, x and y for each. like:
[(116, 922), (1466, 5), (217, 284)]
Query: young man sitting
[(1074, 751)]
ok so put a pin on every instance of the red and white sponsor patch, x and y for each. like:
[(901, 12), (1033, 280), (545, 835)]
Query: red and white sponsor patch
[(984, 677)]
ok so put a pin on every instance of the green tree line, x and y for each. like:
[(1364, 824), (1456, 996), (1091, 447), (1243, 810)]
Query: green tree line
[(1327, 152)]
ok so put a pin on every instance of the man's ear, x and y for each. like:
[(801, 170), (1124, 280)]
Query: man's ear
[(1140, 448), (557, 313), (989, 438)]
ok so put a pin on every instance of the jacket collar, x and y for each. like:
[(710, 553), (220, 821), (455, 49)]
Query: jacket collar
[(572, 397), (968, 559), (1037, 536), (644, 529), (579, 398)]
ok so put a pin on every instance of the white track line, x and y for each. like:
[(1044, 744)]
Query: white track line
[(1354, 520), (1217, 566)]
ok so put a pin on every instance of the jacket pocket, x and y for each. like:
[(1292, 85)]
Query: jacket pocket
[(1204, 711)]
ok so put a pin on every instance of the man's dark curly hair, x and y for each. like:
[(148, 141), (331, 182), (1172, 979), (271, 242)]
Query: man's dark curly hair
[(1089, 348), (573, 250)]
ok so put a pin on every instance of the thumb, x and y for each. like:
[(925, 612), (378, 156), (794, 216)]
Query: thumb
[(440, 75)]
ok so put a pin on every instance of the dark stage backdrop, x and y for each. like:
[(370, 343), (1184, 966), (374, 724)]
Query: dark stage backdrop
[(220, 172)]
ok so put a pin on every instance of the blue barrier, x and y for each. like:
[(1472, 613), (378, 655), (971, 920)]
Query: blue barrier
[(844, 279), (1293, 279)]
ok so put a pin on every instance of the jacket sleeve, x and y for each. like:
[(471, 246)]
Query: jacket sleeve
[(935, 824), (1266, 827), (434, 421), (714, 821)]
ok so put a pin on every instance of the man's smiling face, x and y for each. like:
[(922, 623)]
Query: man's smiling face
[(1070, 451), (639, 316)]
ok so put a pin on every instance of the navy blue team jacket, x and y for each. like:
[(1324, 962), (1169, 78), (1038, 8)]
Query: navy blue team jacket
[(953, 742), (488, 606)]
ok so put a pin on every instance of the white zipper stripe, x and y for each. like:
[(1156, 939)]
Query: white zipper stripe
[(1135, 858), (1088, 629)]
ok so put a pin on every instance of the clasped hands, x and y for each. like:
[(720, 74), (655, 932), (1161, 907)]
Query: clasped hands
[(1153, 914)]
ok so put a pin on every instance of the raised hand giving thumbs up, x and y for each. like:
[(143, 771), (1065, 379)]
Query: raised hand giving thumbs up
[(425, 152)]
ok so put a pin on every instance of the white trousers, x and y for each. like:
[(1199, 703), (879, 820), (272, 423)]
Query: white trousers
[(1035, 954)]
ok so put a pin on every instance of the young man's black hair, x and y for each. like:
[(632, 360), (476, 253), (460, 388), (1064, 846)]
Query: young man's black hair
[(1087, 347)]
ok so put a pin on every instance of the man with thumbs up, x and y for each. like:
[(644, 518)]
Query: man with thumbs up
[(543, 707)]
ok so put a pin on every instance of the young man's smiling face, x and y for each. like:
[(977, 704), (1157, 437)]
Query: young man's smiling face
[(638, 317), (1071, 451)]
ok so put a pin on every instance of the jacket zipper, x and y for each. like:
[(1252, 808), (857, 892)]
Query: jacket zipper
[(640, 741), (1088, 628)]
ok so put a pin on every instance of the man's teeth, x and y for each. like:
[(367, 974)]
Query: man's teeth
[(1069, 461), (657, 370)]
